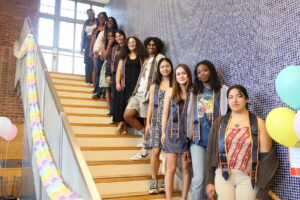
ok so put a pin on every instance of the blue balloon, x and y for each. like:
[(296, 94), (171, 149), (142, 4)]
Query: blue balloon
[(288, 86)]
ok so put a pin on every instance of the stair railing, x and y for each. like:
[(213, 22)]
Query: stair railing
[(67, 157)]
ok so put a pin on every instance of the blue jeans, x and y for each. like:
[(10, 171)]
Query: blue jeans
[(198, 154)]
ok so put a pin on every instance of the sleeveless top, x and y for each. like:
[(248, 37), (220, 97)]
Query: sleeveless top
[(238, 145)]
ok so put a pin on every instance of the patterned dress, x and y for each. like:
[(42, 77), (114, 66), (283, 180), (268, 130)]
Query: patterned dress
[(155, 132)]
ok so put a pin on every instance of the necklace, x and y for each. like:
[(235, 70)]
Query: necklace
[(236, 125)]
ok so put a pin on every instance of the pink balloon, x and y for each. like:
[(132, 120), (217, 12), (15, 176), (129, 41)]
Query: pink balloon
[(11, 134), (297, 124)]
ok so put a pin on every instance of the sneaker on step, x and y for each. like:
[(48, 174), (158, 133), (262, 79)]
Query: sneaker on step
[(162, 188), (140, 156), (153, 187)]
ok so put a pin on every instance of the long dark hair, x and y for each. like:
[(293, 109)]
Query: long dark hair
[(140, 49), (214, 80), (106, 38), (242, 90), (115, 27), (98, 16), (159, 75), (176, 92)]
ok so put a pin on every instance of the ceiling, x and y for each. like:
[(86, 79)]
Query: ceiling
[(100, 1)]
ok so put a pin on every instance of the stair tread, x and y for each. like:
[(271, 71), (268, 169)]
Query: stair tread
[(106, 136), (125, 178), (93, 124), (110, 166), (117, 162), (108, 148), (137, 196)]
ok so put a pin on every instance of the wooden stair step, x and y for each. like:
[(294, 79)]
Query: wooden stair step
[(83, 103), (108, 142), (89, 120), (66, 76), (72, 82), (125, 178), (106, 136), (91, 124), (118, 168), (118, 162), (109, 155), (94, 130), (84, 106), (74, 85), (138, 196), (108, 148), (73, 88), (85, 111), (123, 186), (62, 89), (76, 95)]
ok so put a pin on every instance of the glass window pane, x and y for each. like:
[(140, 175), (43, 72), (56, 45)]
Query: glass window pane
[(47, 6), (47, 54), (66, 35), (67, 8), (65, 62), (78, 31), (97, 9), (79, 66), (45, 32), (81, 10)]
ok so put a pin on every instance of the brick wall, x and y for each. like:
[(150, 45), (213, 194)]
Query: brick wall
[(12, 13)]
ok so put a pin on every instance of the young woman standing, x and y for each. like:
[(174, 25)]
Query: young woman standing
[(173, 133), (163, 82), (207, 101), (240, 159), (129, 67)]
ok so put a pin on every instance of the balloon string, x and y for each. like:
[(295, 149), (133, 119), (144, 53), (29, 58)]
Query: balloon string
[(6, 153)]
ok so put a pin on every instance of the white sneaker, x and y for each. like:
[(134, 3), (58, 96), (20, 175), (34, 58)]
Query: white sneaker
[(140, 156)]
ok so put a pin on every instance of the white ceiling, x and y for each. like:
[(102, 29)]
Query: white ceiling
[(100, 1)]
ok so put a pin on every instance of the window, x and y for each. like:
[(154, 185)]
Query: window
[(47, 54), (59, 33), (47, 6), (66, 35), (67, 8), (79, 66), (45, 31), (78, 30), (65, 62), (81, 10), (97, 10)]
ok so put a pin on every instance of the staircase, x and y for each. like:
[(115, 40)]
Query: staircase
[(107, 155)]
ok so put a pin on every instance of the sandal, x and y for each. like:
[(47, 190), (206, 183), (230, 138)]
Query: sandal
[(120, 128), (124, 131)]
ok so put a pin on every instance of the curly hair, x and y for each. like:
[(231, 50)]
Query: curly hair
[(158, 43), (140, 49)]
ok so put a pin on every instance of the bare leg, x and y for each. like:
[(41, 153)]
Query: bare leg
[(130, 118), (108, 97), (155, 162), (95, 58), (170, 172), (186, 167)]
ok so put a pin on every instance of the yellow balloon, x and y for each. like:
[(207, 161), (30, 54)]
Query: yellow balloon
[(280, 126)]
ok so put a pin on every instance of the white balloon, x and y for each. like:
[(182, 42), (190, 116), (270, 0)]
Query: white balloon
[(5, 126)]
